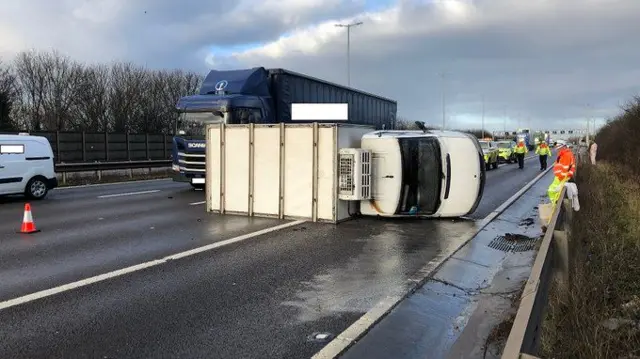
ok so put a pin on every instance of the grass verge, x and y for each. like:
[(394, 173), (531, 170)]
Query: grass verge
[(599, 316)]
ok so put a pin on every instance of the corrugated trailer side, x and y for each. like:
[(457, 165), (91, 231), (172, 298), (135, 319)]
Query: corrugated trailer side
[(290, 87), (285, 170)]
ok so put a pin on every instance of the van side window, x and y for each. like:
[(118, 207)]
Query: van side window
[(11, 149)]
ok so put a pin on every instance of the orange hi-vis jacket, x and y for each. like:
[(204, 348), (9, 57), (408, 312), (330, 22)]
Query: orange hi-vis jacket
[(565, 166)]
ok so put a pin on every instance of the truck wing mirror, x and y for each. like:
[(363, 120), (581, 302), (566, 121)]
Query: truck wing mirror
[(421, 126)]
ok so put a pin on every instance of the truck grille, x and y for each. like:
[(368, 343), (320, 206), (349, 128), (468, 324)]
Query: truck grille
[(192, 162)]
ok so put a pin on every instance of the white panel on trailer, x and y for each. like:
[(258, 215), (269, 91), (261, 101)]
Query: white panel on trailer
[(327, 166), (298, 171), (266, 164), (214, 168), (236, 179), (319, 112)]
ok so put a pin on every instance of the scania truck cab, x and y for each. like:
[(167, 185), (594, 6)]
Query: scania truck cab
[(425, 174)]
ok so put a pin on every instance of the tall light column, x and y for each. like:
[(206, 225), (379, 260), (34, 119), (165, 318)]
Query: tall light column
[(349, 26), (444, 101), (482, 116)]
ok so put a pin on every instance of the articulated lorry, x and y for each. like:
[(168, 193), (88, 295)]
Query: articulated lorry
[(262, 96)]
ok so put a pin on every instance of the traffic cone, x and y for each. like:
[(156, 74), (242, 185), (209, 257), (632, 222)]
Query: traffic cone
[(28, 226)]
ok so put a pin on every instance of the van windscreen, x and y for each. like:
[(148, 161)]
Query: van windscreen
[(421, 175)]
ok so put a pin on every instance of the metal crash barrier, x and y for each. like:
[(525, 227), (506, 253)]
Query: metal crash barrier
[(552, 262)]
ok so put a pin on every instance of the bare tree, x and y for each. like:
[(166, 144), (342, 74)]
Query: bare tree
[(9, 93), (91, 107), (403, 123), (62, 79), (50, 91), (125, 96), (31, 77)]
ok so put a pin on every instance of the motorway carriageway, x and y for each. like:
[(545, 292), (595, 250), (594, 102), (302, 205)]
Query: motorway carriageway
[(244, 297)]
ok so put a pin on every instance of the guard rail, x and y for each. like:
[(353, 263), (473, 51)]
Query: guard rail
[(110, 166), (551, 262)]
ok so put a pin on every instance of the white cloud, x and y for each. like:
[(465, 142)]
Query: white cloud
[(542, 60)]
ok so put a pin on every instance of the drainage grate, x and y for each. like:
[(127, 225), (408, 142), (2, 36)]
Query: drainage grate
[(513, 243)]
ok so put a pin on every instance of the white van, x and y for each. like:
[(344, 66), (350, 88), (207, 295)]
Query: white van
[(26, 166), (428, 174)]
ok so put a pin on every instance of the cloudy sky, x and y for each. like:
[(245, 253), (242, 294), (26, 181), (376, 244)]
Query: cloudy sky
[(549, 63)]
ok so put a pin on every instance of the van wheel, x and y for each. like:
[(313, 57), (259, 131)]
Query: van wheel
[(36, 188), (495, 164), (487, 166)]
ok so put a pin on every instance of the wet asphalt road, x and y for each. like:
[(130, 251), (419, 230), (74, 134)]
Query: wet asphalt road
[(260, 298)]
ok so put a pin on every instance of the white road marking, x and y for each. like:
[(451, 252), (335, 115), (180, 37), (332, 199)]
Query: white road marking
[(197, 203), (113, 183), (120, 272), (357, 330), (128, 193)]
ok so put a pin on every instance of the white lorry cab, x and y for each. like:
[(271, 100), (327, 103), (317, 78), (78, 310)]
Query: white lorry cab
[(423, 173), (26, 166)]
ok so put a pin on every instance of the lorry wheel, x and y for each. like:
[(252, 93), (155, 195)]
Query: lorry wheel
[(36, 188)]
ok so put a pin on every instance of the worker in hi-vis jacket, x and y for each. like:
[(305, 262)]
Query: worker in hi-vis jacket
[(563, 171), (543, 151), (520, 151)]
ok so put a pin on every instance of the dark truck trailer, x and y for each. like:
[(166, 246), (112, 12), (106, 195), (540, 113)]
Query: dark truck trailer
[(273, 91), (261, 96)]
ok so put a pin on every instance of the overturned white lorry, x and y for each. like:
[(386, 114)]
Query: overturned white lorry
[(330, 172)]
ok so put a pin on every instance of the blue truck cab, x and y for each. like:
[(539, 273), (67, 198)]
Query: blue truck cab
[(261, 96)]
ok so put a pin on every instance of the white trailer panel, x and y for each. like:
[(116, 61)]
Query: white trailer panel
[(266, 162), (283, 170)]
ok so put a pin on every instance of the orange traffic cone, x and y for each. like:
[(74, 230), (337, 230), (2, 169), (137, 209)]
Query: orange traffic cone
[(28, 226)]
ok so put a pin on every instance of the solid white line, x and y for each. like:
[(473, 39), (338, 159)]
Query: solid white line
[(128, 193), (120, 272), (113, 183), (197, 203), (358, 329)]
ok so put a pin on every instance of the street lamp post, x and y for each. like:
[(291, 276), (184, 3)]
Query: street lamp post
[(349, 26), (444, 101), (482, 116)]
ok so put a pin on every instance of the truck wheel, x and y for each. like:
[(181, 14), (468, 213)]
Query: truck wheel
[(36, 188)]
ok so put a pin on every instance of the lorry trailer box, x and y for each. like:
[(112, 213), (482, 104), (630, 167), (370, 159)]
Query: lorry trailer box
[(262, 95), (279, 170)]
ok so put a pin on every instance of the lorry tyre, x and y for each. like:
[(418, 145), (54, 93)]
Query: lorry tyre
[(36, 188)]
